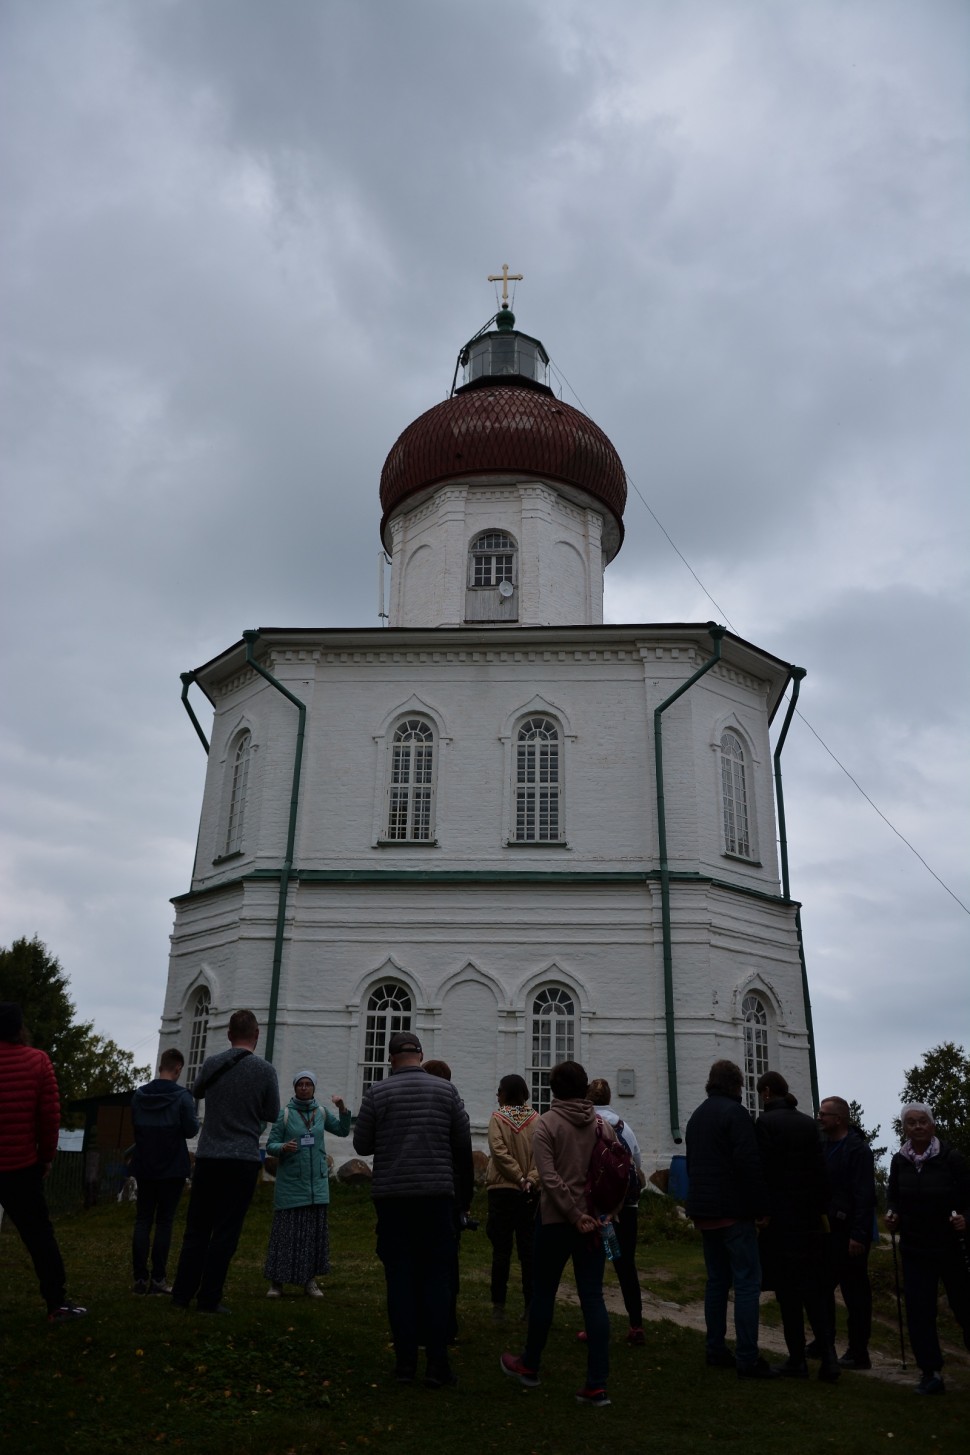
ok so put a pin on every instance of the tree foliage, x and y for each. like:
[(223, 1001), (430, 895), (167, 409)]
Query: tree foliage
[(942, 1081), (857, 1117), (86, 1063)]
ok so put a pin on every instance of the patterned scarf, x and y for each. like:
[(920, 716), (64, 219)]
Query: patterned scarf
[(918, 1158), (517, 1116)]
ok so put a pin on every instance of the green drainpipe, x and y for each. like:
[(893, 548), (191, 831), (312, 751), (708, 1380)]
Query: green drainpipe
[(187, 679), (797, 673), (717, 632), (250, 638)]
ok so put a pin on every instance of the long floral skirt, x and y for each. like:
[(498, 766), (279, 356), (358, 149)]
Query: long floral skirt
[(299, 1245)]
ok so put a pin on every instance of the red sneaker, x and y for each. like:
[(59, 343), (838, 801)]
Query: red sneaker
[(511, 1364)]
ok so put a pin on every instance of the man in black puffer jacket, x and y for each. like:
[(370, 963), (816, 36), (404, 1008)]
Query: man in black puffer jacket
[(727, 1195), (794, 1245), (417, 1130)]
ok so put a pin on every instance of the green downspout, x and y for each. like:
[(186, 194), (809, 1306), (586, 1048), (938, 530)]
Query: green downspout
[(717, 632), (187, 679), (797, 673), (250, 638)]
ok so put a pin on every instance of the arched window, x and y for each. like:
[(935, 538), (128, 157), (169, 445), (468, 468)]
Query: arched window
[(734, 797), (411, 790), (198, 1035), (238, 788), (389, 1009), (491, 559), (492, 578), (755, 1014), (538, 781), (553, 1034)]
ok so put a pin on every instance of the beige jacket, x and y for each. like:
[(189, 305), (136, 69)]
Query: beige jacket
[(510, 1132)]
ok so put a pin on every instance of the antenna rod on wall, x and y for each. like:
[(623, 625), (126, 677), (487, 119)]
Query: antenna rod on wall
[(381, 563)]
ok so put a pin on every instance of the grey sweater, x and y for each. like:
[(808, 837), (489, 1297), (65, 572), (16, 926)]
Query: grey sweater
[(237, 1106), (417, 1129)]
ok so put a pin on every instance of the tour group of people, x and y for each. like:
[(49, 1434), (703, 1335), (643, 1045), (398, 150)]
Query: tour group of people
[(778, 1205)]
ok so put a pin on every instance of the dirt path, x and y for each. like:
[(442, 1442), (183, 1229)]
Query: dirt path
[(770, 1339)]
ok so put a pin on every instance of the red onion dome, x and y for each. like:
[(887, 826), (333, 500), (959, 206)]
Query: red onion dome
[(512, 428)]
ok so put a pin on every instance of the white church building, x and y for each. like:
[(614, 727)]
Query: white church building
[(525, 834)]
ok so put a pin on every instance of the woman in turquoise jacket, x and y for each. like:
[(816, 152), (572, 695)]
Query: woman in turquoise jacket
[(299, 1240)]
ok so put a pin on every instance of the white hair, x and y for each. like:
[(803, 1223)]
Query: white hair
[(917, 1106)]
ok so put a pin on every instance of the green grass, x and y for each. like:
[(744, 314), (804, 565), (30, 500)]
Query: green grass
[(307, 1376)]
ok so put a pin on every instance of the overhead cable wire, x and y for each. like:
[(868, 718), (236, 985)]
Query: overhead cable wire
[(815, 733)]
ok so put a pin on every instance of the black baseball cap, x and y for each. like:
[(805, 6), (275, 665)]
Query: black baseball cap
[(402, 1041)]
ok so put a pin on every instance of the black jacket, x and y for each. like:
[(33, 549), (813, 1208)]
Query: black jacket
[(794, 1170), (723, 1167), (924, 1198), (850, 1167)]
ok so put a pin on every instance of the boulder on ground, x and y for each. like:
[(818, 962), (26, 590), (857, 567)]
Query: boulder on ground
[(355, 1173)]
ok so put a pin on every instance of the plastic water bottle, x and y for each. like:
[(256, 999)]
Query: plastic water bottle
[(611, 1243)]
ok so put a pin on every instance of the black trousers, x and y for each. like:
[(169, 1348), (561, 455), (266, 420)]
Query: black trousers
[(416, 1244), (222, 1189), (924, 1269), (22, 1199), (625, 1266), (157, 1200), (851, 1277), (511, 1223), (798, 1269)]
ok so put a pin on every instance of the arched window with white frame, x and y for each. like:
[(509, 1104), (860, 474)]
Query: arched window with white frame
[(538, 781), (734, 797), (238, 792), (490, 589), (198, 1034), (411, 788), (754, 1014), (389, 1009), (552, 1034)]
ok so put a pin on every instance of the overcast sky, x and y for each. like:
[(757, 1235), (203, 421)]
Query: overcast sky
[(242, 245)]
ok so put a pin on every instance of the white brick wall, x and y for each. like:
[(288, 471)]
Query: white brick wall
[(473, 952)]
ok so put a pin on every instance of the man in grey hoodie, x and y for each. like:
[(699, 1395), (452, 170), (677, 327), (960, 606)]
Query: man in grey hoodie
[(241, 1095), (163, 1115)]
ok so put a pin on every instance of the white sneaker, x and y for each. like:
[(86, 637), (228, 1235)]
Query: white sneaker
[(275, 1290), (313, 1289)]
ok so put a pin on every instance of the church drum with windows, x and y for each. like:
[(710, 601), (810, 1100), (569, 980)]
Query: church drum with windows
[(452, 823)]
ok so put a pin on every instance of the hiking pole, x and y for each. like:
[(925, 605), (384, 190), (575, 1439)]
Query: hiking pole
[(899, 1301), (961, 1241)]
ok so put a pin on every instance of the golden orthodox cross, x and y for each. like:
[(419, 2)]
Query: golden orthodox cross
[(505, 277)]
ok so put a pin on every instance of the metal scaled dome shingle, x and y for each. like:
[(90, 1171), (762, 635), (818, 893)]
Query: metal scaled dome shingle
[(506, 429)]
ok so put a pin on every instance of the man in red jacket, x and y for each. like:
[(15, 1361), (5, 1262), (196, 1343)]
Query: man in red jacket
[(29, 1119)]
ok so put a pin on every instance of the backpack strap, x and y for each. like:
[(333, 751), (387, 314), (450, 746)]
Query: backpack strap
[(200, 1087)]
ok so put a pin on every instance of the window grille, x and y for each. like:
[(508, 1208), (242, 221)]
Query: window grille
[(388, 1010), (237, 794), (553, 1039), (538, 791), (755, 1016), (492, 559), (412, 781), (198, 1035), (734, 795)]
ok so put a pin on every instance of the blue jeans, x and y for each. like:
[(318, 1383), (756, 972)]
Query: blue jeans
[(416, 1242), (731, 1257), (555, 1244)]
